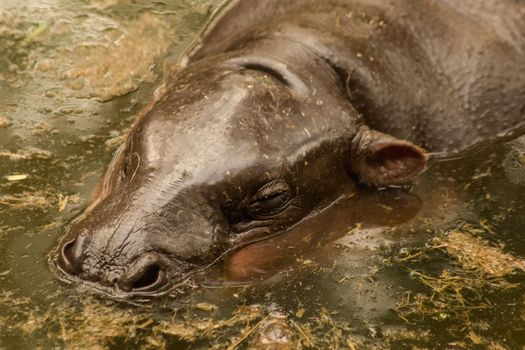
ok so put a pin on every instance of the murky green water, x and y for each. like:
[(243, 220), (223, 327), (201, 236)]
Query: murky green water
[(439, 267)]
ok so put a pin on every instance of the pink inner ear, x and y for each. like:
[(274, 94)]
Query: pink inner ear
[(400, 159), (397, 163)]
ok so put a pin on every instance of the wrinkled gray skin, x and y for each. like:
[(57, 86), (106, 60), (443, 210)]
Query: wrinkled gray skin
[(284, 106)]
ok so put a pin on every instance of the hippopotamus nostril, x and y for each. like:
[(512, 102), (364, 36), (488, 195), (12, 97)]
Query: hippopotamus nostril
[(149, 276), (146, 274), (72, 255)]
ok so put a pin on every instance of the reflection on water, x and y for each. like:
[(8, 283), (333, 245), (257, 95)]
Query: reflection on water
[(439, 265), (366, 212)]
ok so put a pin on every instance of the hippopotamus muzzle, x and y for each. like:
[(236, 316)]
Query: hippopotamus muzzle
[(145, 275), (123, 249)]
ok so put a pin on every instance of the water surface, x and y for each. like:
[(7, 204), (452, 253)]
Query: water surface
[(436, 266)]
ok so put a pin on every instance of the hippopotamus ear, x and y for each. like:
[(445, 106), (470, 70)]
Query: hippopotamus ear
[(382, 160)]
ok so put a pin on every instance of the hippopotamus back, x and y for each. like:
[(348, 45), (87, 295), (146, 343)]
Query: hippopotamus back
[(446, 75)]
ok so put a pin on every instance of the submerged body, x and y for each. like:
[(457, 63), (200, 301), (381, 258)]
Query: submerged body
[(284, 107)]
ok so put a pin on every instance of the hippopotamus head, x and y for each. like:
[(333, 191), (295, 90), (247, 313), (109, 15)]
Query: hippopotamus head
[(241, 147)]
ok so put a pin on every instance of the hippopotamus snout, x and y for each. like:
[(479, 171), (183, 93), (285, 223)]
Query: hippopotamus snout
[(131, 247), (146, 274)]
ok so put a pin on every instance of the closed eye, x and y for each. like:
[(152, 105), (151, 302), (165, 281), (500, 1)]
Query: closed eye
[(270, 191), (270, 199)]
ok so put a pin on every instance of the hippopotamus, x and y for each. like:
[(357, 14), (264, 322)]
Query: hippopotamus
[(281, 108)]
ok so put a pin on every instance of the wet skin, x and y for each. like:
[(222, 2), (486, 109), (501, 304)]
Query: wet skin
[(284, 108)]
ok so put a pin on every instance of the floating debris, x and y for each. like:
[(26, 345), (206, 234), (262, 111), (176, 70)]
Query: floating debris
[(17, 177), (92, 64), (4, 122), (476, 254), (475, 268), (62, 202), (35, 33), (40, 199), (206, 307), (33, 153)]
